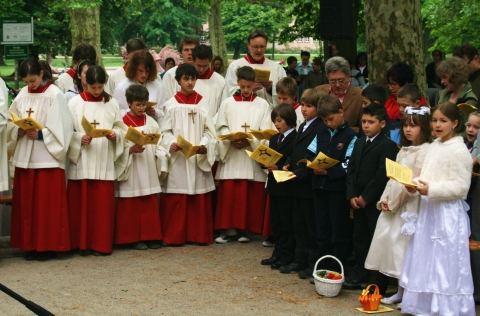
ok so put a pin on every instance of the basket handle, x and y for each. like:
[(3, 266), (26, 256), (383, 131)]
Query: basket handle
[(376, 292), (328, 256)]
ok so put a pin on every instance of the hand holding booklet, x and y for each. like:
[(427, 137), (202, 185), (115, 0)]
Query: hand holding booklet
[(322, 161), (399, 173), (93, 132), (138, 138), (26, 123), (264, 155), (282, 176), (188, 150)]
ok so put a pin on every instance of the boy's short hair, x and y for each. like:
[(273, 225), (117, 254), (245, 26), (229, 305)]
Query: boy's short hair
[(376, 110), (146, 59), (188, 41), (411, 92), (245, 73), (187, 70), (305, 53), (136, 92), (317, 61), (291, 59), (328, 104), (375, 93), (287, 86), (134, 44), (202, 51), (170, 60), (286, 112), (466, 49), (256, 33), (84, 51), (311, 96)]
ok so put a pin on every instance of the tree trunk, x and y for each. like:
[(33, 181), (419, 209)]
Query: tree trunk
[(2, 61), (236, 52), (85, 28), (394, 34), (215, 28)]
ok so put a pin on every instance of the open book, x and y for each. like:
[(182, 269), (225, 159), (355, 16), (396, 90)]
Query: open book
[(262, 75), (93, 132), (399, 173), (265, 134), (322, 161), (26, 123), (466, 108), (188, 150), (282, 176), (138, 138), (235, 136), (265, 155)]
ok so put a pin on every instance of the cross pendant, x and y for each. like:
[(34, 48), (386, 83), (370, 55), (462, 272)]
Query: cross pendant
[(30, 112), (192, 114), (245, 126), (95, 123)]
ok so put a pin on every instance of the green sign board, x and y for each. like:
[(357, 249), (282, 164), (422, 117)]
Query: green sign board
[(17, 30), (16, 51)]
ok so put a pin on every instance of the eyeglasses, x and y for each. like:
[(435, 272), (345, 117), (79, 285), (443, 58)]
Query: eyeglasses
[(335, 81), (257, 47)]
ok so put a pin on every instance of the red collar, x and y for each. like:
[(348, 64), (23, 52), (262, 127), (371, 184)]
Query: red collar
[(207, 74), (193, 98), (130, 119), (43, 86), (253, 61), (71, 72), (125, 67), (241, 98), (296, 105), (87, 96), (342, 95)]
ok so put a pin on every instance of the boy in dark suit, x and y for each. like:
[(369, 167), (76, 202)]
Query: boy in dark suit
[(281, 204), (366, 180), (303, 213), (332, 210)]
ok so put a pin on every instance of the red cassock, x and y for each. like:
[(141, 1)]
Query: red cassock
[(39, 210), (241, 205), (92, 214), (267, 223), (137, 219), (189, 218)]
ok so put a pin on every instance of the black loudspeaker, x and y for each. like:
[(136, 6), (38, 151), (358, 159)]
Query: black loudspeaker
[(337, 19)]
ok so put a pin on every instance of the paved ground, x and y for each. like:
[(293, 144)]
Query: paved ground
[(201, 280)]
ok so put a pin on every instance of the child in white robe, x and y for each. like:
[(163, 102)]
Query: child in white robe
[(83, 51), (80, 84), (3, 136)]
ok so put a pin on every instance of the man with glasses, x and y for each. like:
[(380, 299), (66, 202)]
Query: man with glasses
[(338, 76), (469, 54), (257, 45)]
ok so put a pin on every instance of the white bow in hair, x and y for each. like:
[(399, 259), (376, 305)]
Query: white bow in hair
[(420, 111)]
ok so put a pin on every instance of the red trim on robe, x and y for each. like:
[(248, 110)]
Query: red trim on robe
[(41, 89), (296, 105), (186, 218), (207, 74), (241, 98), (87, 96), (40, 211), (91, 205), (71, 72), (193, 98), (125, 67), (423, 102), (137, 219), (241, 204), (250, 60), (267, 220), (130, 119)]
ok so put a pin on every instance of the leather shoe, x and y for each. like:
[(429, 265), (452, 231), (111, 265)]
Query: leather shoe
[(270, 261), (279, 264), (305, 273), (353, 285), (293, 267)]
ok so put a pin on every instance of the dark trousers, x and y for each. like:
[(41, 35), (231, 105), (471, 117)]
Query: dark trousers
[(281, 217), (334, 230), (364, 223), (305, 229)]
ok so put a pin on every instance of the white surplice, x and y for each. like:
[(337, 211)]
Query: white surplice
[(64, 82), (213, 90), (232, 116), (3, 136), (138, 173), (50, 110), (192, 176), (170, 84), (114, 80), (95, 161), (156, 93)]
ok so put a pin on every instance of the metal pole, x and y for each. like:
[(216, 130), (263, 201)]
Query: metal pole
[(16, 75)]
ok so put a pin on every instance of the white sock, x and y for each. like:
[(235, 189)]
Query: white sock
[(398, 295)]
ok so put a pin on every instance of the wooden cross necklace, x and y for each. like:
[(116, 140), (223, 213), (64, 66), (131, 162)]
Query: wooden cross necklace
[(30, 112), (95, 123), (245, 126)]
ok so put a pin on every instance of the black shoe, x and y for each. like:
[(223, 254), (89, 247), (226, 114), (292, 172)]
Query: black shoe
[(305, 273), (293, 267), (354, 285), (279, 264), (46, 255), (31, 255), (270, 261), (312, 280)]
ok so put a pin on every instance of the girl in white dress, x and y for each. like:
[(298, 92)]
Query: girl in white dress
[(389, 245), (436, 274)]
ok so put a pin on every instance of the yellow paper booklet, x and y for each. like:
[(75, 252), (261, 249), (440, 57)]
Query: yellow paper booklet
[(93, 132), (467, 108), (264, 155), (322, 161), (262, 75), (399, 173), (26, 123), (265, 134), (151, 103), (282, 176), (138, 138), (235, 136), (188, 150)]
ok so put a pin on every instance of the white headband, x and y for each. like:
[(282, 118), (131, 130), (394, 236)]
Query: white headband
[(420, 111)]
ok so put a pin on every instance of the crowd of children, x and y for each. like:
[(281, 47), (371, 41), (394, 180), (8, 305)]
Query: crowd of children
[(416, 234)]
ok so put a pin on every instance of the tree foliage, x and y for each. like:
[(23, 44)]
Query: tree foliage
[(305, 15)]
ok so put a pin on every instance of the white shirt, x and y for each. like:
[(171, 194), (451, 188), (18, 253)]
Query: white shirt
[(307, 124)]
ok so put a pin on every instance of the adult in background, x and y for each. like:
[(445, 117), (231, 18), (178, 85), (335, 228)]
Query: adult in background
[(469, 54), (338, 75), (356, 77), (454, 74), (433, 80), (303, 69), (291, 69), (257, 44), (361, 65), (316, 77), (218, 66)]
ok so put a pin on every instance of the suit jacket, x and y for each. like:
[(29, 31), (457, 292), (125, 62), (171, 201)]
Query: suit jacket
[(352, 105), (285, 148), (366, 171), (302, 184)]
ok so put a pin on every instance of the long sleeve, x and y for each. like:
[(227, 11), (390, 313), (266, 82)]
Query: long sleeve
[(3, 137)]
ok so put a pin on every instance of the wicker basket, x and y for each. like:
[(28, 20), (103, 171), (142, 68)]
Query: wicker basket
[(327, 287)]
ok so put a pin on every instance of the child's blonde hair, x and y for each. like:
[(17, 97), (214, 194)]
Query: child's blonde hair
[(311, 96), (287, 86), (474, 113)]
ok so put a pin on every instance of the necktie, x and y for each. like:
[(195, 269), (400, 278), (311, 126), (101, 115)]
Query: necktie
[(369, 141), (280, 139)]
